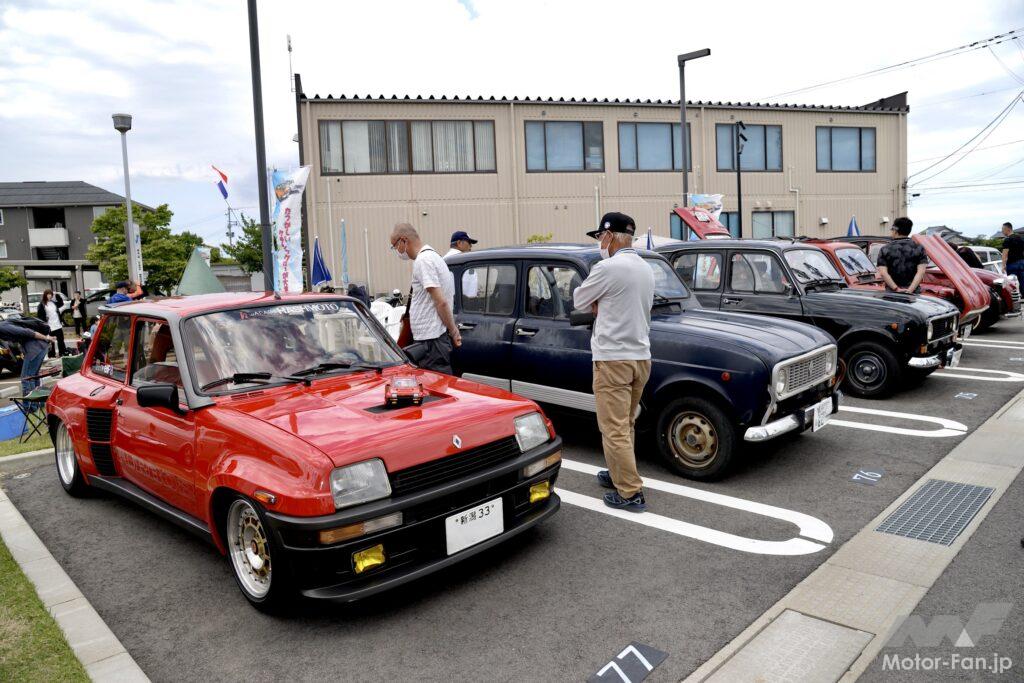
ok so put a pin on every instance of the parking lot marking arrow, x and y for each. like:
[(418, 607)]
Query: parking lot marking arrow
[(948, 427), (957, 373), (810, 527)]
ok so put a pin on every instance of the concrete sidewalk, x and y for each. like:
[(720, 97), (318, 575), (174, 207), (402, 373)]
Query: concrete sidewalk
[(834, 623)]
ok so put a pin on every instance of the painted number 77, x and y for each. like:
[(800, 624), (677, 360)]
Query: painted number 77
[(630, 650)]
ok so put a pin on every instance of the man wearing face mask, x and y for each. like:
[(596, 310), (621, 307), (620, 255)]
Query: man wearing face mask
[(430, 307), (620, 291)]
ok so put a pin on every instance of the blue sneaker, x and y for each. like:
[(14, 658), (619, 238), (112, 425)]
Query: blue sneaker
[(635, 504), (604, 478)]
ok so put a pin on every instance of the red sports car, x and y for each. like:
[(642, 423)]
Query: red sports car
[(261, 423)]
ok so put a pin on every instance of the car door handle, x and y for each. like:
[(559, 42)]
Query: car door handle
[(523, 332), (465, 326), (728, 300)]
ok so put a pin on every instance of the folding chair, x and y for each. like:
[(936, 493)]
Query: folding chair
[(31, 404)]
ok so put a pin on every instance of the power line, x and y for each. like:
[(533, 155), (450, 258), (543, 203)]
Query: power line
[(951, 52), (1013, 74), (970, 184), (1002, 144), (932, 103), (989, 127), (1000, 170)]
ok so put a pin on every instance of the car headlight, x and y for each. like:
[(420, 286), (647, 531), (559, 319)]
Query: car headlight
[(931, 330), (360, 483), (830, 362), (999, 281), (781, 381), (531, 431)]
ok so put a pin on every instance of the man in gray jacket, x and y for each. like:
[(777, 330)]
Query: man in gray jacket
[(620, 291)]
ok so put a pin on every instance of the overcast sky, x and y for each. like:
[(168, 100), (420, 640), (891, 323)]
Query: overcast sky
[(182, 69)]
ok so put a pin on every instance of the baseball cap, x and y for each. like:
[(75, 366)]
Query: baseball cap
[(461, 235), (614, 222), (122, 283)]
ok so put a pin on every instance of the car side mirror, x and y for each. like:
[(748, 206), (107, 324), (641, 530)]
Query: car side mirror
[(162, 395), (578, 318), (787, 288)]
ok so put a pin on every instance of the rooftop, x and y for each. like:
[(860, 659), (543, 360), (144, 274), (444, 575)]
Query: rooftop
[(198, 303), (59, 193)]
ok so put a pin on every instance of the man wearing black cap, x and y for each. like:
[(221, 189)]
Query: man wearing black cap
[(620, 291), (461, 244)]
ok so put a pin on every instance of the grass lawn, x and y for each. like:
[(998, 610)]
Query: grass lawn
[(36, 443), (32, 647)]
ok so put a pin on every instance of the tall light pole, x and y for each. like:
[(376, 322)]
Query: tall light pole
[(683, 59), (123, 124), (261, 148), (740, 138)]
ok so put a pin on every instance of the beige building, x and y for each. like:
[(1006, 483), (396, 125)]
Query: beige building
[(504, 170)]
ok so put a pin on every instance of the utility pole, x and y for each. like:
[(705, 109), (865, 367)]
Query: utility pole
[(261, 147), (740, 139), (123, 124), (682, 60)]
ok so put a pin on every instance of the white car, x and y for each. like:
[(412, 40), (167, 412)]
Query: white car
[(991, 258)]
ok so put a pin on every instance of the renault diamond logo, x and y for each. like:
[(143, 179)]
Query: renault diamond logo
[(456, 441)]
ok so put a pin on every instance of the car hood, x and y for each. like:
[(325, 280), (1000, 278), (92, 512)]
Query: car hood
[(770, 339), (345, 418), (884, 302)]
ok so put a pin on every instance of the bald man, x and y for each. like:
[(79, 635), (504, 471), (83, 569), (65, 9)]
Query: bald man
[(431, 319)]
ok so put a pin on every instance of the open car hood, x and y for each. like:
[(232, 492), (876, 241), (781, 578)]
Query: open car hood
[(702, 224), (971, 290)]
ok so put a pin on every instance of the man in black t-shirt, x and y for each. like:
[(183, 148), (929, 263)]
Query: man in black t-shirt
[(1013, 252), (902, 262)]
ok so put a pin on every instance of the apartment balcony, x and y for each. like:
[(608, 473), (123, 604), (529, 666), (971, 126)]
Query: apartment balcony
[(48, 237)]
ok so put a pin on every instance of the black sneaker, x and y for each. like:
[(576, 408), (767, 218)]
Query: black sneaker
[(604, 478), (635, 504)]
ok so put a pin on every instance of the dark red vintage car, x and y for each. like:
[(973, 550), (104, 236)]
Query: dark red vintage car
[(261, 423)]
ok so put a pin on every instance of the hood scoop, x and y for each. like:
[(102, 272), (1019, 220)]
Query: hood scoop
[(385, 408)]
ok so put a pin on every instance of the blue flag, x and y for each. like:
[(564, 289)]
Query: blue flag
[(320, 274), (853, 230)]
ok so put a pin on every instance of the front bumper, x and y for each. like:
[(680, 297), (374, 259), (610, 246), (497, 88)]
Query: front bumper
[(799, 420), (948, 358), (417, 547)]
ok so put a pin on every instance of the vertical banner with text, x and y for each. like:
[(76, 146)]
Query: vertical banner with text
[(288, 188)]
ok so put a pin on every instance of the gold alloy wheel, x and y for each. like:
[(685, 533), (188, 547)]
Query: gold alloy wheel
[(249, 549), (693, 439)]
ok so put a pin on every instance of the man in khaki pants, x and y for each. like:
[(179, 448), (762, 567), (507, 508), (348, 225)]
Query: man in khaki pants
[(620, 290)]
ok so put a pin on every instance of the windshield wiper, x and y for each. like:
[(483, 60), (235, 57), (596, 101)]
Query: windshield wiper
[(321, 368), (238, 378), (662, 300)]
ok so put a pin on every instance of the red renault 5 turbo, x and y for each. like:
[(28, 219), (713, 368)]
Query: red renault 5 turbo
[(262, 424)]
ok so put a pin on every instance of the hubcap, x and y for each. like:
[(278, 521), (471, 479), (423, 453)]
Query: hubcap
[(65, 456), (868, 369), (693, 439), (249, 550)]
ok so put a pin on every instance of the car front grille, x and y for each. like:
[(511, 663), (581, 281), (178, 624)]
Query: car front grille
[(806, 371), (453, 466), (942, 327), (1015, 295)]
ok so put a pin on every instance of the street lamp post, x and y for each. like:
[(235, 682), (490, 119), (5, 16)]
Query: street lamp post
[(683, 59), (261, 147), (123, 124), (740, 138)]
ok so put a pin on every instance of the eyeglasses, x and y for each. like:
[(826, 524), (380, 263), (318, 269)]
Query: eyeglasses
[(394, 245)]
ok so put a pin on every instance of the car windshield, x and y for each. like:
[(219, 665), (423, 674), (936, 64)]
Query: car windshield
[(259, 344), (666, 280), (855, 262), (811, 265)]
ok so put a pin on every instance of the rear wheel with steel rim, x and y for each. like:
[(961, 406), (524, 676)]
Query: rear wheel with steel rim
[(697, 438), (68, 471), (252, 553), (872, 370)]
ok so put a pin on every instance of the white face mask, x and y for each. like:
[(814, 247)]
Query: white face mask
[(604, 250)]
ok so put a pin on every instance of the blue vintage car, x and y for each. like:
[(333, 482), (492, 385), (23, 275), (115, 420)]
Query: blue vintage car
[(717, 378)]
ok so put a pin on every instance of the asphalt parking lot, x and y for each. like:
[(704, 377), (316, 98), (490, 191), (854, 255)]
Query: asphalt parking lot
[(561, 601)]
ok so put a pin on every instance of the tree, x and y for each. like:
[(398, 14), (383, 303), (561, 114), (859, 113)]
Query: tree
[(247, 250), (532, 239), (164, 253), (11, 279)]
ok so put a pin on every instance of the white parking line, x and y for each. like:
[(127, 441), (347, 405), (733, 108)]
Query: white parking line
[(993, 345), (957, 373), (809, 526), (948, 427), (998, 343)]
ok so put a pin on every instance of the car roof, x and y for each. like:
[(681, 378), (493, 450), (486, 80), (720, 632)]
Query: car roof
[(586, 253), (781, 244), (180, 306)]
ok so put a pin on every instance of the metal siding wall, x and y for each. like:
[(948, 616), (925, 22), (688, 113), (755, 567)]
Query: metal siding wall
[(563, 203)]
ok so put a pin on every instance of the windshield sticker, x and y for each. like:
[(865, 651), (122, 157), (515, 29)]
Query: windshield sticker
[(291, 309)]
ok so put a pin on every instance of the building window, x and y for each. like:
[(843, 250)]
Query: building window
[(653, 147), (379, 147), (731, 220), (3, 249), (761, 152), (768, 224), (845, 149), (564, 146)]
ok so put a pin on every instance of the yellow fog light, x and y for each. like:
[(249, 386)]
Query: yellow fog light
[(368, 559), (540, 491), (541, 465)]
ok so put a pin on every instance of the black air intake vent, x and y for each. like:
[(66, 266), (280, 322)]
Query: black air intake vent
[(98, 423), (103, 459)]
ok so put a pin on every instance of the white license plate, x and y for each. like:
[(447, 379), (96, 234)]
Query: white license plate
[(822, 413), (965, 331), (469, 527), (954, 359)]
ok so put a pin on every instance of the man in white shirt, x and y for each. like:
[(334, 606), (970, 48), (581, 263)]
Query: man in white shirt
[(431, 319), (620, 291), (462, 243)]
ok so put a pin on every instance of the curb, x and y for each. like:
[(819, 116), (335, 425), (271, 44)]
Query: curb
[(92, 641), (25, 461)]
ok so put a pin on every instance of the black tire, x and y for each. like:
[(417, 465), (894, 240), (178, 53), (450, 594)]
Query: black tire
[(267, 587), (991, 315), (872, 370), (69, 471), (696, 438)]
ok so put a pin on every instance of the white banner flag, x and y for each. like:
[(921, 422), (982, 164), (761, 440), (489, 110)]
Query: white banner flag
[(288, 188), (712, 203)]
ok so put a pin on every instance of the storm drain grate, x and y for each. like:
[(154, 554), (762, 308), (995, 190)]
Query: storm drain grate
[(937, 512)]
